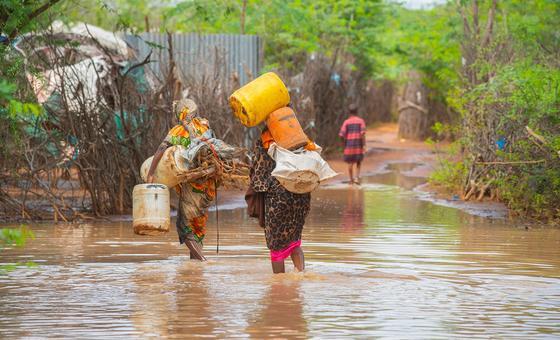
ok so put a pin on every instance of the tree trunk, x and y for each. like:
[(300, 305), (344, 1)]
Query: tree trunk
[(242, 19), (414, 116)]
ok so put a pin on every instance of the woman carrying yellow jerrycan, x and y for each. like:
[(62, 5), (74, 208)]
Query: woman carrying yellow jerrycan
[(284, 211), (194, 197)]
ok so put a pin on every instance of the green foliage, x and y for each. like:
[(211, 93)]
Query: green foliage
[(533, 191), (14, 113), (449, 175), (518, 86), (424, 40), (12, 108), (450, 170), (290, 29), (15, 237), (6, 89), (18, 16), (11, 237), (444, 131)]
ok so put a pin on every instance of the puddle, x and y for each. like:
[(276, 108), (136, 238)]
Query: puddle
[(395, 174)]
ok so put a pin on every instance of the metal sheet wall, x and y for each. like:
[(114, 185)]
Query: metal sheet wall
[(196, 54)]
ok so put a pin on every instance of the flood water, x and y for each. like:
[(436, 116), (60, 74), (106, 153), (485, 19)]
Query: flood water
[(380, 263)]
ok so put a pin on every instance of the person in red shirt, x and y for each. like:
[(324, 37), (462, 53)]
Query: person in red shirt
[(353, 133)]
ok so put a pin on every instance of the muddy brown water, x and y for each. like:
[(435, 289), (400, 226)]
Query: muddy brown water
[(380, 263)]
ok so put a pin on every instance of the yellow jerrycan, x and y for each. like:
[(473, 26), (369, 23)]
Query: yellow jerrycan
[(252, 103)]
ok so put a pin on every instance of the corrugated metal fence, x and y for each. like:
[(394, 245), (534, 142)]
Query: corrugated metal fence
[(196, 54)]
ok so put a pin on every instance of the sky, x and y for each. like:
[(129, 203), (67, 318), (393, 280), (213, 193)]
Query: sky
[(417, 4)]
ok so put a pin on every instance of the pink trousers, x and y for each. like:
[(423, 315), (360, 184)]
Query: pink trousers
[(281, 255)]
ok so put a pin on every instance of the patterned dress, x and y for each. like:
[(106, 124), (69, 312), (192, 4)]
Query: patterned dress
[(353, 130), (285, 212), (194, 198)]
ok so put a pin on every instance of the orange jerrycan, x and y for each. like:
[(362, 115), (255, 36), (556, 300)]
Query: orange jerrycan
[(252, 103), (285, 129)]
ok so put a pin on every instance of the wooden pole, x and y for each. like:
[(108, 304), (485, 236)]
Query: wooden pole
[(243, 13)]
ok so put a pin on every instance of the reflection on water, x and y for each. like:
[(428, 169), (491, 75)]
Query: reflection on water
[(380, 263), (280, 313), (353, 213), (397, 174)]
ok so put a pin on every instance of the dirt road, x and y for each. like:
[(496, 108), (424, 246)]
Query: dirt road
[(384, 147), (408, 164)]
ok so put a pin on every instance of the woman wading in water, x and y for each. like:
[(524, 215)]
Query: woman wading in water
[(194, 197), (284, 211)]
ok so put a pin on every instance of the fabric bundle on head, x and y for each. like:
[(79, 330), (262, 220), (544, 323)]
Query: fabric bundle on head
[(184, 107), (179, 135)]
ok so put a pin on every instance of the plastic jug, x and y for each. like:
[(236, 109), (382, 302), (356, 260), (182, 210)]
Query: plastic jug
[(168, 169), (252, 103), (285, 129), (150, 209)]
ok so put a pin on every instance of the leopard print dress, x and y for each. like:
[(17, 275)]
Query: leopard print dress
[(285, 212)]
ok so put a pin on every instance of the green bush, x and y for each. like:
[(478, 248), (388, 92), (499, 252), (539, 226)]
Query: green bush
[(15, 237), (448, 175), (532, 192), (450, 170), (522, 94), (12, 237)]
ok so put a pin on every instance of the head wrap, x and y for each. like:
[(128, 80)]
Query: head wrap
[(184, 107), (183, 113)]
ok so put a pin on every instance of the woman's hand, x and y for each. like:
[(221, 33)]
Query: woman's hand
[(150, 179)]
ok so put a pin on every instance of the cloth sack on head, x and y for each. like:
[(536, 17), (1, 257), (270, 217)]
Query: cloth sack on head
[(299, 171)]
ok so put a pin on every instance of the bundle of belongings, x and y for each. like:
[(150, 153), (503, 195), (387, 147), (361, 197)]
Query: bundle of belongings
[(201, 157)]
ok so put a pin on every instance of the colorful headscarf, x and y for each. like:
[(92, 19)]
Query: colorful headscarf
[(179, 134), (183, 114)]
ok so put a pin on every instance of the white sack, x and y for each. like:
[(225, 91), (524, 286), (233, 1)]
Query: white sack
[(300, 171), (107, 39), (74, 80)]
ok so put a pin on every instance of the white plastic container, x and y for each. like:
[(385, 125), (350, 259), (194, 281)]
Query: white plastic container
[(169, 167), (150, 209)]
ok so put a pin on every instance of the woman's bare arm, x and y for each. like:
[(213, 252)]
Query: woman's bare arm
[(157, 157)]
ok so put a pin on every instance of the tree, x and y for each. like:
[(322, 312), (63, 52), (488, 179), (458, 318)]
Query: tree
[(17, 17), (422, 50), (508, 101)]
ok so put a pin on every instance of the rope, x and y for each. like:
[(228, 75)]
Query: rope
[(220, 169), (215, 154), (217, 222)]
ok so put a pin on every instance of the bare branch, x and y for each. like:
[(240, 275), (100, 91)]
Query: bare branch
[(490, 24), (466, 26), (476, 26)]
